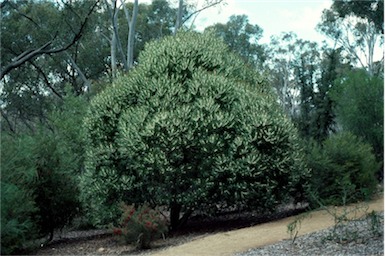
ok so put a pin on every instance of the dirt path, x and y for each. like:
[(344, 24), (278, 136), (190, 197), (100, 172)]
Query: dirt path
[(228, 243)]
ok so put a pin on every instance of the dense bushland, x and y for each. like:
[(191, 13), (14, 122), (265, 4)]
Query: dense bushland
[(192, 128), (343, 170)]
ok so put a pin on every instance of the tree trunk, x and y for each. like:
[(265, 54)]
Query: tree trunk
[(175, 209), (131, 34), (178, 22), (86, 82), (113, 54), (116, 32), (176, 221)]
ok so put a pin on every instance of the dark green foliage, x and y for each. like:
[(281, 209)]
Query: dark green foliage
[(343, 170), (373, 10), (17, 200), (55, 188), (360, 107), (191, 127), (38, 184), (316, 76), (58, 161)]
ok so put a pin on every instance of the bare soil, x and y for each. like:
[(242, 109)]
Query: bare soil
[(223, 235)]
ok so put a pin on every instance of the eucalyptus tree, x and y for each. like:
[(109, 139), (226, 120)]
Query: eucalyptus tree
[(38, 57), (154, 21), (372, 10), (358, 36), (127, 58), (281, 53), (32, 39)]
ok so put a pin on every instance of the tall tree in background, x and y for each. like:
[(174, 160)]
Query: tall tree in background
[(116, 44), (281, 53), (40, 43), (131, 21), (372, 10), (358, 35), (154, 21), (303, 74), (242, 37), (306, 74), (53, 44), (316, 70), (332, 66)]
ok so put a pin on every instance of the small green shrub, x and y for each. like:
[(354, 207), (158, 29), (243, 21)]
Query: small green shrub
[(374, 220), (343, 170), (359, 101), (141, 226)]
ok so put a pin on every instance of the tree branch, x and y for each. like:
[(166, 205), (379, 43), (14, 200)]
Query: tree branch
[(86, 82), (46, 79), (2, 4), (45, 49), (24, 57), (202, 9)]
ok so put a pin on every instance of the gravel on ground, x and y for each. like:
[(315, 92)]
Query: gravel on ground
[(362, 237)]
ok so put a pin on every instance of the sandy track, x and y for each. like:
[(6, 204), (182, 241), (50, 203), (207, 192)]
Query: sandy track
[(228, 243)]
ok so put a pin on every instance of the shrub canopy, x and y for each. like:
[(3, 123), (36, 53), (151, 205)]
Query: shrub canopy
[(192, 127), (343, 170), (360, 108)]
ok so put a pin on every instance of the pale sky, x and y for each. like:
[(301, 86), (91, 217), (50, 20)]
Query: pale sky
[(273, 16)]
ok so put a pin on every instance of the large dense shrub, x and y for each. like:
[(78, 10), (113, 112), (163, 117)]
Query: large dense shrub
[(192, 127), (343, 170)]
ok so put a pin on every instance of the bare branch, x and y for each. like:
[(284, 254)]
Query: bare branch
[(202, 9)]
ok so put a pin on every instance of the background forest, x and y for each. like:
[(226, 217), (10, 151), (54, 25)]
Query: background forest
[(63, 63)]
